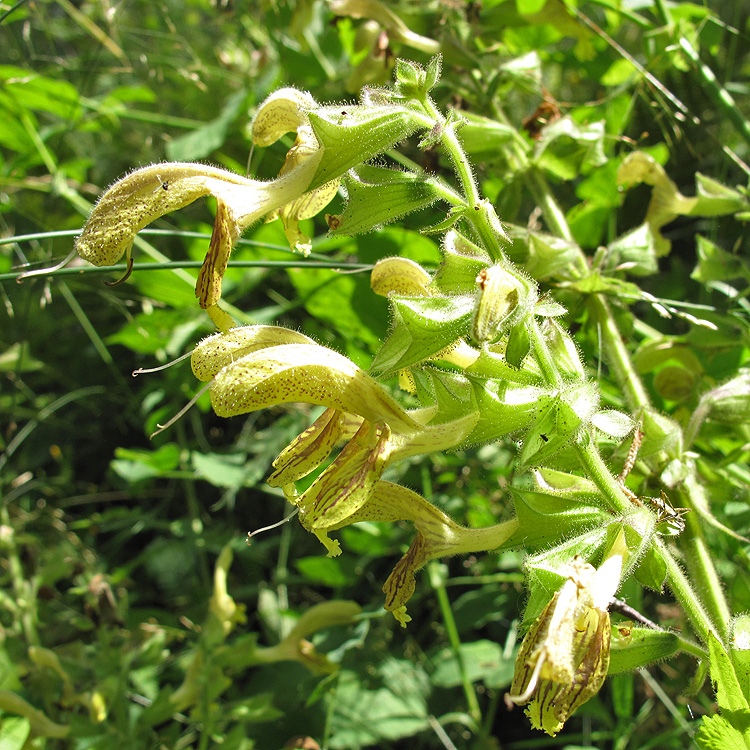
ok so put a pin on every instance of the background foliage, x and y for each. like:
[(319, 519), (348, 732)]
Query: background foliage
[(110, 539)]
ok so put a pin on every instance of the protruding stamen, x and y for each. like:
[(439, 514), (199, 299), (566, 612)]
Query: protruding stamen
[(144, 370), (181, 412), (251, 534), (525, 697), (46, 271)]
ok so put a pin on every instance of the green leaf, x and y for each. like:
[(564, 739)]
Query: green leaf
[(209, 137), (432, 74), (660, 433), (634, 647), (343, 302), (221, 469), (651, 570), (567, 148), (732, 703), (353, 135), (482, 138), (481, 660), (634, 252), (519, 344), (377, 196), (326, 571), (619, 72), (14, 731), (462, 263), (716, 733), (31, 91), (362, 716), (166, 287), (423, 326), (17, 359), (739, 650), (595, 283), (614, 423), (504, 408), (715, 199), (147, 333), (716, 264), (452, 393), (493, 365), (137, 465), (9, 673), (529, 7), (558, 423), (549, 256), (545, 519)]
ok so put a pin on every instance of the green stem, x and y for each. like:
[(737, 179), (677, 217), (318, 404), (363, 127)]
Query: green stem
[(437, 581), (551, 211), (618, 356), (601, 475), (542, 354), (661, 10), (720, 96), (480, 212), (438, 584), (716, 614), (691, 648), (171, 265), (24, 590), (617, 353), (699, 560), (685, 594)]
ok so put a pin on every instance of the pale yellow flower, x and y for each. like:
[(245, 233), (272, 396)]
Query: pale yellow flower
[(564, 657)]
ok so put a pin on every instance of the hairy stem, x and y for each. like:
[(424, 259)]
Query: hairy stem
[(700, 563), (618, 356), (685, 594)]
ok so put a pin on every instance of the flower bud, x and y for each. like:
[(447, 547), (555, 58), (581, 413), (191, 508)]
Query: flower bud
[(400, 276), (505, 298)]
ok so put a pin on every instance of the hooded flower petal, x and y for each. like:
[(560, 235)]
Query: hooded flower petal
[(295, 648), (217, 351), (284, 111), (565, 656), (305, 373), (148, 193), (329, 142)]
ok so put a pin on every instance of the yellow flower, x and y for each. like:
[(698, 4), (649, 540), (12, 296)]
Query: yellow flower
[(286, 111), (148, 193), (329, 142), (296, 647), (564, 658), (259, 366), (248, 373), (437, 536)]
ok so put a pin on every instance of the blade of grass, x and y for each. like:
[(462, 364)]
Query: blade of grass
[(44, 413), (93, 30)]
